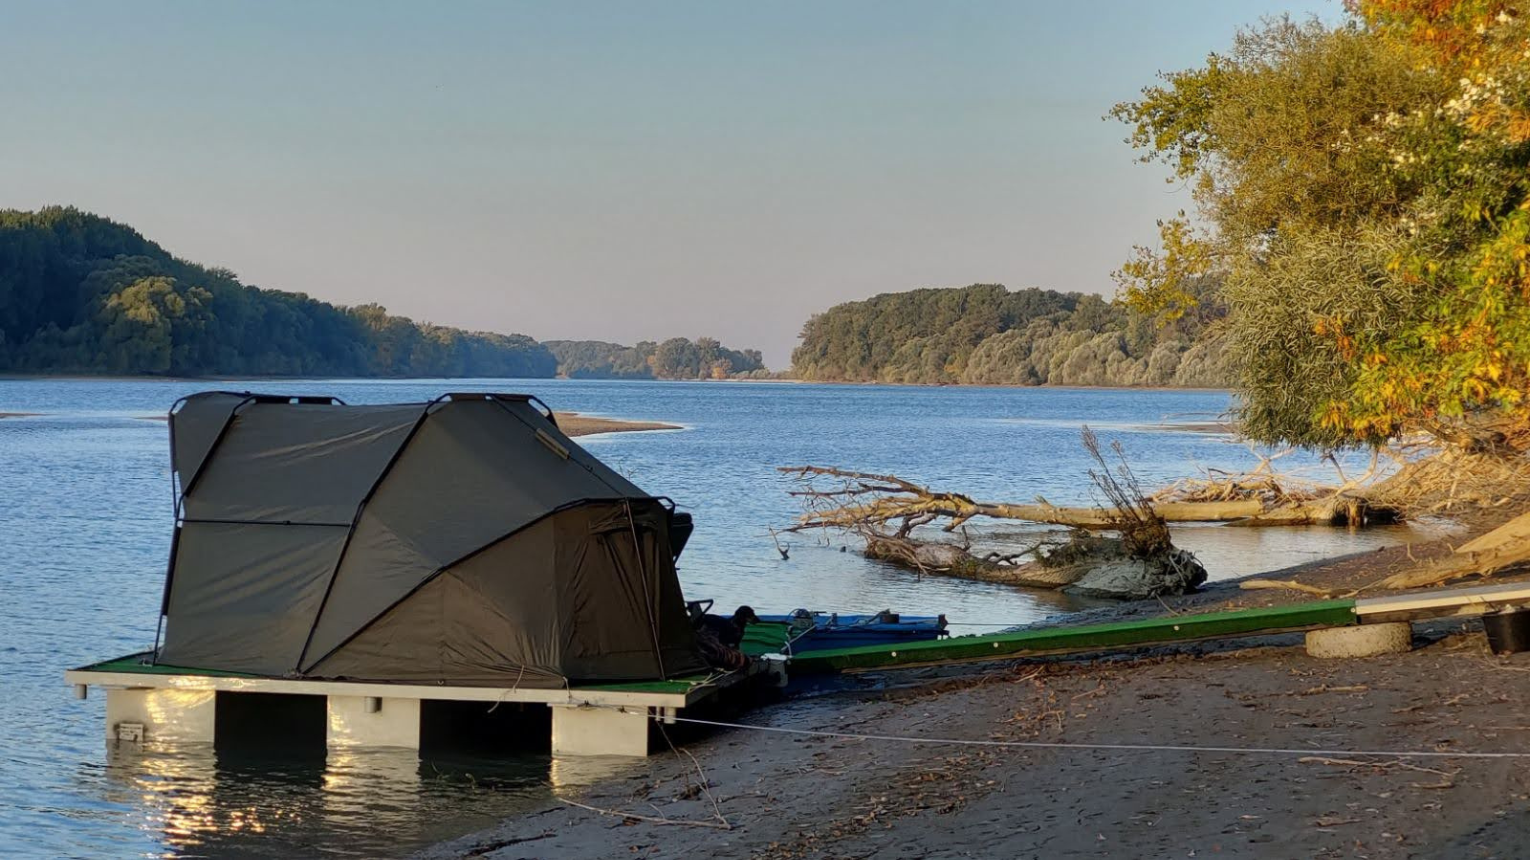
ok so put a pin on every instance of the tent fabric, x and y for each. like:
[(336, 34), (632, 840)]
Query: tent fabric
[(300, 463), (197, 425), (247, 593), (465, 541), (468, 478)]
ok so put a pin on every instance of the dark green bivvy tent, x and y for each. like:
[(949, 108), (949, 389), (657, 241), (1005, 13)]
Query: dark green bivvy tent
[(462, 541)]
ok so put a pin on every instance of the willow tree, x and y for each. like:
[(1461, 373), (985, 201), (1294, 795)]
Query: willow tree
[(1361, 193)]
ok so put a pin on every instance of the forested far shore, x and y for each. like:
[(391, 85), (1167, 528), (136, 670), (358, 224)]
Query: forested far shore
[(81, 294), (986, 334), (676, 358)]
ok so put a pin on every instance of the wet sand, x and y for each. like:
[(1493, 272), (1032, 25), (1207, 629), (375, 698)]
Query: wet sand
[(791, 796)]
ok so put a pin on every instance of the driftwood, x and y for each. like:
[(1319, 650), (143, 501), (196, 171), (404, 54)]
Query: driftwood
[(1340, 509), (1285, 500), (1505, 547), (1290, 584), (874, 498)]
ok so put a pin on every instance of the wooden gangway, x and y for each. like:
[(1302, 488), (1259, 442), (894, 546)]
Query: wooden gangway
[(1087, 638)]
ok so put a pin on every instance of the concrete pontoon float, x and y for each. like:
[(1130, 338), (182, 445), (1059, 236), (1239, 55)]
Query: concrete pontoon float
[(149, 702)]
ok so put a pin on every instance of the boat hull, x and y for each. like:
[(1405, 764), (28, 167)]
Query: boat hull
[(822, 630)]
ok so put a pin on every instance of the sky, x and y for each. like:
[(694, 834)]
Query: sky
[(617, 171)]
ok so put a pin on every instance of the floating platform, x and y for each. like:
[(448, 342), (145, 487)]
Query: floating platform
[(146, 701)]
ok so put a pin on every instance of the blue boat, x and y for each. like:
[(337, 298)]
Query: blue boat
[(812, 631)]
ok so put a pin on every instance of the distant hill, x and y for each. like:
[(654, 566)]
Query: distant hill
[(986, 334), (676, 358), (83, 294)]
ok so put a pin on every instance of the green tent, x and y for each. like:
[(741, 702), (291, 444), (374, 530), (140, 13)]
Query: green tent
[(462, 541)]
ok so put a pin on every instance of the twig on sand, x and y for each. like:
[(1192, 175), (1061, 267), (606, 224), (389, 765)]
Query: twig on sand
[(1447, 778), (649, 819), (1502, 668), (701, 776), (1258, 584), (1325, 688)]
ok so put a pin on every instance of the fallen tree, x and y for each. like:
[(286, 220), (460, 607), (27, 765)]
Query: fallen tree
[(884, 511), (1245, 499)]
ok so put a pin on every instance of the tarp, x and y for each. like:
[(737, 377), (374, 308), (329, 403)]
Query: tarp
[(463, 541)]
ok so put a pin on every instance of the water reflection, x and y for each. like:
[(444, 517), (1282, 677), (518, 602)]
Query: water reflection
[(195, 800), (569, 774)]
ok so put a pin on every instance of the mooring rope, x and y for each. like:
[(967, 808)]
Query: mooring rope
[(1116, 747)]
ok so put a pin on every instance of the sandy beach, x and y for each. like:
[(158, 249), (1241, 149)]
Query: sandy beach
[(820, 796)]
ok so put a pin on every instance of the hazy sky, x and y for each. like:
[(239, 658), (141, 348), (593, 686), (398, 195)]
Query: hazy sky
[(618, 170)]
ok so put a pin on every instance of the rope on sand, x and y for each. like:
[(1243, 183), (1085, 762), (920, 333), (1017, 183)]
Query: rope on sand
[(1061, 745)]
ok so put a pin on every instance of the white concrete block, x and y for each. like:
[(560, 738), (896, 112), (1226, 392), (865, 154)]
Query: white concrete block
[(585, 730), (165, 714), (1365, 640), (395, 723)]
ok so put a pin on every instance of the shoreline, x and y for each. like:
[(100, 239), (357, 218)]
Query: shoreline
[(796, 796), (87, 377), (571, 423)]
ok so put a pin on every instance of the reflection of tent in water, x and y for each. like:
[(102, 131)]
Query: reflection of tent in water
[(466, 541)]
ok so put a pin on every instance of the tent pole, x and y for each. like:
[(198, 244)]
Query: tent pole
[(653, 623), (351, 532)]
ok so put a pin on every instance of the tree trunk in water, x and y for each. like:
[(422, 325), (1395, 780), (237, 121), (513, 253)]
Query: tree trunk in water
[(1093, 567)]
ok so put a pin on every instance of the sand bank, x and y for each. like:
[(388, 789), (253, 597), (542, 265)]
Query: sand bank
[(574, 424)]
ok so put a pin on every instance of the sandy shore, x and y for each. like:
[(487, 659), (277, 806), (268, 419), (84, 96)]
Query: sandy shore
[(574, 424), (790, 796)]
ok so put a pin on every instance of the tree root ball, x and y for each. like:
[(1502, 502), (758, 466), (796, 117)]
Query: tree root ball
[(1173, 572)]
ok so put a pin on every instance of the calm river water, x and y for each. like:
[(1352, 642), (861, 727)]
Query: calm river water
[(85, 523)]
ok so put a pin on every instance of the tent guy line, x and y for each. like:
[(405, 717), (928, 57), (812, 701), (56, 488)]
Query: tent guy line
[(1114, 747)]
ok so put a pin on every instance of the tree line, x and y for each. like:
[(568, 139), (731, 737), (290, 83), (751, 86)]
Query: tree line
[(676, 358), (986, 334), (82, 294)]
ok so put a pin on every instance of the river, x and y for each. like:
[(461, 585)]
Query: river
[(85, 520)]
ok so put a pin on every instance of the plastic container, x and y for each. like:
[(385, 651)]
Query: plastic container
[(1508, 630)]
